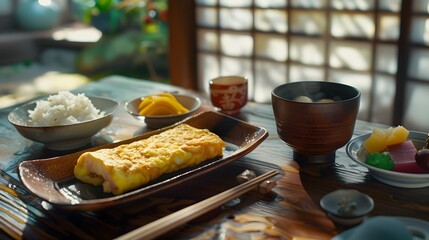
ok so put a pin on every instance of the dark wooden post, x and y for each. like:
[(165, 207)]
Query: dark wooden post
[(182, 43)]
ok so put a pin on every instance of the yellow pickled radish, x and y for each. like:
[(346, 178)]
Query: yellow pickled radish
[(159, 111), (376, 141), (165, 108), (398, 135), (173, 104), (147, 100), (169, 95), (161, 104)]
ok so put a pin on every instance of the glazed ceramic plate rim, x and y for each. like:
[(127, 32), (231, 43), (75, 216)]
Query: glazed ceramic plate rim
[(397, 179), (37, 179), (412, 224)]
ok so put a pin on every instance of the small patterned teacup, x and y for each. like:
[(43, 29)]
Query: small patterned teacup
[(228, 93)]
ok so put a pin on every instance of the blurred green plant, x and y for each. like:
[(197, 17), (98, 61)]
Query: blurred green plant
[(112, 16), (135, 37)]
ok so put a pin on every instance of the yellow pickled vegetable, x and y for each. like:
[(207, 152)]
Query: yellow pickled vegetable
[(161, 104), (398, 135), (389, 131), (376, 141), (149, 99), (380, 139)]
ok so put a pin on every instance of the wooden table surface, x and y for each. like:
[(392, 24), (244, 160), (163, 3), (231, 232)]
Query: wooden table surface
[(290, 211)]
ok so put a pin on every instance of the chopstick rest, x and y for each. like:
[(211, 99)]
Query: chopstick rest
[(263, 188)]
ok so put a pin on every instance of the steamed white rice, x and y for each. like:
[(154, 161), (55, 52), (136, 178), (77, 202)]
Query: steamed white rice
[(63, 108)]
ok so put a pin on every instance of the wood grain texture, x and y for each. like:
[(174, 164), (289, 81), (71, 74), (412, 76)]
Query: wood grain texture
[(290, 210)]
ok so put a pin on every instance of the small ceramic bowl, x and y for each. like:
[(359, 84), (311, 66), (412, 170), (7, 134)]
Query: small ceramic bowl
[(347, 206), (63, 137), (356, 152), (155, 122)]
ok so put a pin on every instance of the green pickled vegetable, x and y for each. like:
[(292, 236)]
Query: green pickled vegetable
[(380, 160)]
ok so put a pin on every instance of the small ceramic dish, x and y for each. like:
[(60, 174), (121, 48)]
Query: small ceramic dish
[(347, 206), (356, 152), (155, 122), (63, 137)]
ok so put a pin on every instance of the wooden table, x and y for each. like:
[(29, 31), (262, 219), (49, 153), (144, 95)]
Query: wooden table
[(290, 210)]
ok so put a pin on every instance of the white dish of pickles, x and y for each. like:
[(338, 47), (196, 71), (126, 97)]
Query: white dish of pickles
[(357, 153)]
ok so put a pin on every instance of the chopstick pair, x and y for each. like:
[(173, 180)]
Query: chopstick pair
[(169, 222)]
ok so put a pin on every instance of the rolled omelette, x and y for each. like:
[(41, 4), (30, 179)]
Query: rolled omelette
[(132, 165)]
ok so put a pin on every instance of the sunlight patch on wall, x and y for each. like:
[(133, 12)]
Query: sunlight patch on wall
[(233, 44), (271, 46), (356, 56)]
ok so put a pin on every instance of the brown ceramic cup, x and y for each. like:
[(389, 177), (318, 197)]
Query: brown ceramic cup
[(315, 130), (228, 93)]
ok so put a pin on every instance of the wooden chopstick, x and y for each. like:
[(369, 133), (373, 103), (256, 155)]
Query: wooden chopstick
[(169, 222)]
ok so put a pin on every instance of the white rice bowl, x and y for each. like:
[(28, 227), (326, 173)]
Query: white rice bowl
[(63, 121), (63, 109)]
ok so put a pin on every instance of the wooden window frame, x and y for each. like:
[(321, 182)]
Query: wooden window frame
[(183, 49)]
